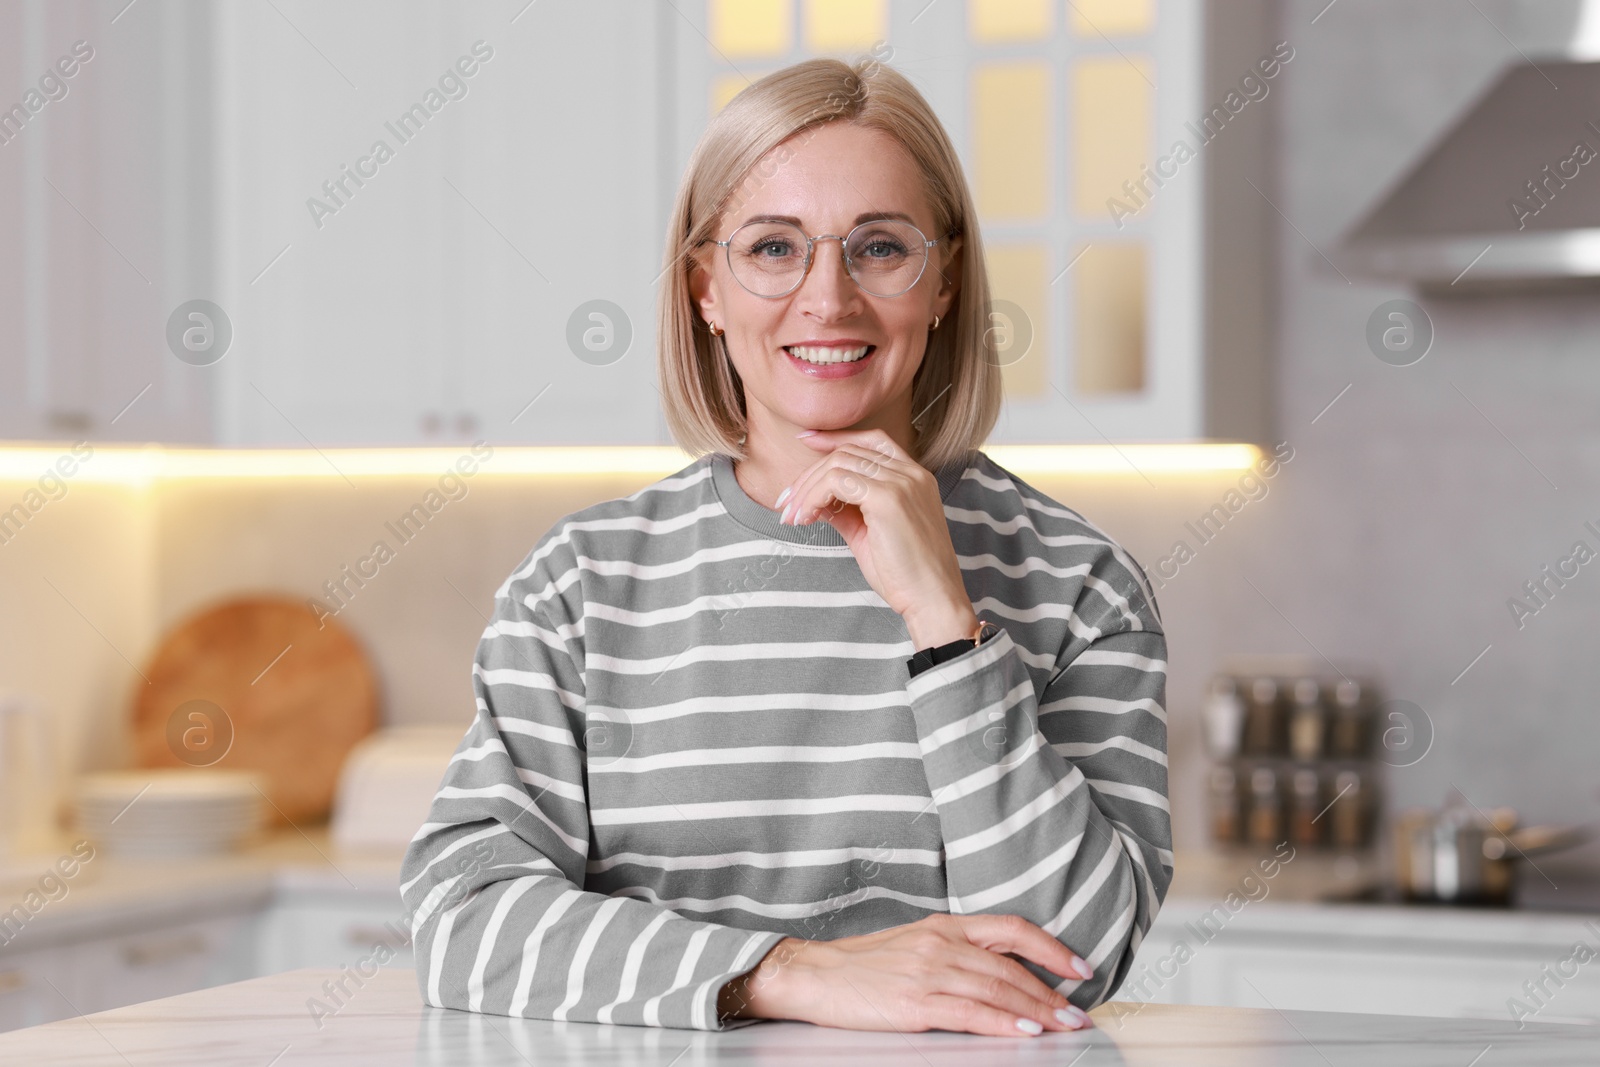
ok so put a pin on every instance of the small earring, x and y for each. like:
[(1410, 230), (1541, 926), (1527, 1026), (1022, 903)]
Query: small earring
[(716, 331), (935, 325)]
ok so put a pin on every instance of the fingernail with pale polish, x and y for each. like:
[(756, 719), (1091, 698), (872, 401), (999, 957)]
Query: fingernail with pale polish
[(1073, 1016), (784, 495), (1029, 1026), (1082, 967)]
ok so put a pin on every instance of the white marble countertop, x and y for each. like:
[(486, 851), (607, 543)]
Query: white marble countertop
[(266, 1022)]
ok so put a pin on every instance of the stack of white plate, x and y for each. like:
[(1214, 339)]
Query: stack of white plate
[(169, 813)]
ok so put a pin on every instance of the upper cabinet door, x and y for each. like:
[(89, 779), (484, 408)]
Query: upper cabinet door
[(105, 220), (440, 227)]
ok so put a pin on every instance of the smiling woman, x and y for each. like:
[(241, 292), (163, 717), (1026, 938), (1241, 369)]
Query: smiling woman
[(843, 722)]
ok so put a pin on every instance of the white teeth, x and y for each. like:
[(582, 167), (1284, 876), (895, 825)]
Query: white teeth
[(813, 354)]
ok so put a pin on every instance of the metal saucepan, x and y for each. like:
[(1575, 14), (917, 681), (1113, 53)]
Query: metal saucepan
[(1463, 856)]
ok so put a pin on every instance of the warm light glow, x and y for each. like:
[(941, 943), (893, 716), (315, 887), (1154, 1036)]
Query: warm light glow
[(143, 465), (1129, 459)]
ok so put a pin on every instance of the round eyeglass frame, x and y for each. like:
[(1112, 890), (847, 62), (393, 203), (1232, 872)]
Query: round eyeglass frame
[(844, 248)]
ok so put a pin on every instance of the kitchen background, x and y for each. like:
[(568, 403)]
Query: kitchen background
[(1418, 501)]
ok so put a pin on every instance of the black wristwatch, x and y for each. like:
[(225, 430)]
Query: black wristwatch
[(932, 657)]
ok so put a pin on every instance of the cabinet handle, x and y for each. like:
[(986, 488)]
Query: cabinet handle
[(12, 981), (150, 953), (73, 421), (369, 936)]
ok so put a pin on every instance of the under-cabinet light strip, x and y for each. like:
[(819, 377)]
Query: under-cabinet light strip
[(133, 464)]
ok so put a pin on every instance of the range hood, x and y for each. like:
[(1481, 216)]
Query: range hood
[(1507, 199)]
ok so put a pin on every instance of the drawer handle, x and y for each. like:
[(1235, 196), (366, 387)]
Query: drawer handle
[(12, 981), (369, 936), (150, 953)]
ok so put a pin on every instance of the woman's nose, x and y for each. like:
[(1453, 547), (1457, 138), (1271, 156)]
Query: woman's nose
[(828, 288)]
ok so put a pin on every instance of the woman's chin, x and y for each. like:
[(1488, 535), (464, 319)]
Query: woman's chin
[(827, 418)]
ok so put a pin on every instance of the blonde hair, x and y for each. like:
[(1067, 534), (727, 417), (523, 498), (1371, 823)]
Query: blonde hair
[(956, 393)]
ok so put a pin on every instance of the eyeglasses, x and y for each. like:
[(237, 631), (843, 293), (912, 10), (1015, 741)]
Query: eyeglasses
[(884, 257)]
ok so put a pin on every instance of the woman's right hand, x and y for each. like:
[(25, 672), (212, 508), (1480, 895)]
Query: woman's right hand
[(942, 972)]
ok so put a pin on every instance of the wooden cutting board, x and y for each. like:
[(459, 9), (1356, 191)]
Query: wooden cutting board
[(257, 683)]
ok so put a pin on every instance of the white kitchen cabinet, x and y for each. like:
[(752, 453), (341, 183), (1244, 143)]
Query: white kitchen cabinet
[(1463, 982), (1426, 961), (104, 222), (331, 930), (58, 981), (40, 986), (164, 961), (299, 928), (432, 304)]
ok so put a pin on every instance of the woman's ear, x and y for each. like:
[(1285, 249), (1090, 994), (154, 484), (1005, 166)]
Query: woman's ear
[(700, 288)]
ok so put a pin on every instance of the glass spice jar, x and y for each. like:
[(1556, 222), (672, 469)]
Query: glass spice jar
[(1227, 804), (1263, 724), (1352, 721), (1266, 807), (1304, 821), (1223, 717), (1348, 812), (1307, 721)]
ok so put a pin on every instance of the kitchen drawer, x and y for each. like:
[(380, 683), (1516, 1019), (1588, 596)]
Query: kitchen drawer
[(1452, 985), (40, 986), (164, 961), (332, 931)]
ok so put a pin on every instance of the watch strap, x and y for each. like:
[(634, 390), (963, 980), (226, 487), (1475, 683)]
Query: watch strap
[(931, 657)]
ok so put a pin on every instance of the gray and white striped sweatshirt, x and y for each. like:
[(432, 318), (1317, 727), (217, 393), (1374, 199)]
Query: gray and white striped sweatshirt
[(695, 735)]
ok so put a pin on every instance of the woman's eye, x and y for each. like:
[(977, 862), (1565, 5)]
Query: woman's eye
[(773, 249), (882, 249)]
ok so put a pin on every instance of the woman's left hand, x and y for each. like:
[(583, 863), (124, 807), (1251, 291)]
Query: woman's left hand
[(887, 508)]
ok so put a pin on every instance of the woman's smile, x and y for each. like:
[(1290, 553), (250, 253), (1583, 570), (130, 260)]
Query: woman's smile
[(830, 359)]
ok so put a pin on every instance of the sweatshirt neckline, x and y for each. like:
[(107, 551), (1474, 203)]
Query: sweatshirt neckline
[(764, 520)]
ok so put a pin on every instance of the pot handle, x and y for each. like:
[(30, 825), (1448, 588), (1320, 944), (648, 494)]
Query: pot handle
[(1535, 840)]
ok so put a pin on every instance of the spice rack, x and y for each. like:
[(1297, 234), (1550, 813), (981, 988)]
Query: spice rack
[(1293, 758)]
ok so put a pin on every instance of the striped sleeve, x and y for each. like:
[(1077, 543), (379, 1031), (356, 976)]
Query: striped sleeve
[(493, 881), (1053, 798)]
